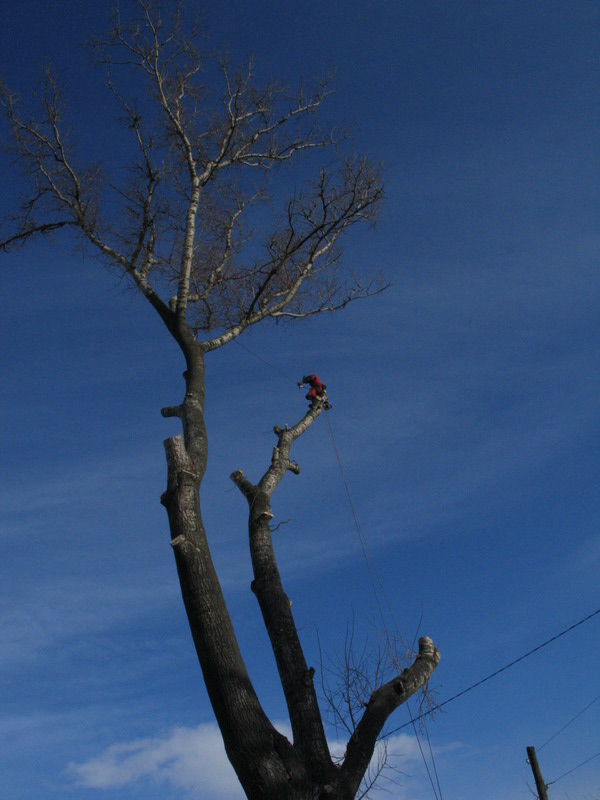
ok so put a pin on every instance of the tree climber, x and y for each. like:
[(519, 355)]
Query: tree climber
[(317, 392)]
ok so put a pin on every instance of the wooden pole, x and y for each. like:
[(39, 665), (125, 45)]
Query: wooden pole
[(535, 768)]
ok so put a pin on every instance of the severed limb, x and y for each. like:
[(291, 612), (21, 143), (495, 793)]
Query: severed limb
[(382, 703)]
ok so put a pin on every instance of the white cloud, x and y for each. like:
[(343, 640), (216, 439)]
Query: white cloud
[(404, 772), (192, 759)]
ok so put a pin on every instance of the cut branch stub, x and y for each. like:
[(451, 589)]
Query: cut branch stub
[(247, 488), (171, 411), (381, 704), (180, 471)]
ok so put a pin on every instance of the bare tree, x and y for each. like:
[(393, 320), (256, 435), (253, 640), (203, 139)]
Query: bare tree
[(179, 224)]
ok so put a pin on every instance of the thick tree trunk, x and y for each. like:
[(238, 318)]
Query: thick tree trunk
[(266, 763)]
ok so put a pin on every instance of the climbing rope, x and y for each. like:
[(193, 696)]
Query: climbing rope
[(379, 589), (377, 585)]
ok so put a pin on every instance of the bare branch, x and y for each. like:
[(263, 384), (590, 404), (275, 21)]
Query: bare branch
[(298, 278), (31, 230), (185, 220), (142, 200)]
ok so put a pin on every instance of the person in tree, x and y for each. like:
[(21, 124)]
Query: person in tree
[(317, 392)]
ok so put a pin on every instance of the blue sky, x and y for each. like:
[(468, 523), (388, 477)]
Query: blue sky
[(465, 413)]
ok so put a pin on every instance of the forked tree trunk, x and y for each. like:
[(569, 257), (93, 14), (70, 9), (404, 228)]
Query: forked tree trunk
[(266, 763), (268, 766)]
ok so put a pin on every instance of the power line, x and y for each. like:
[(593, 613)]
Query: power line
[(497, 672), (569, 722), (374, 577), (583, 763)]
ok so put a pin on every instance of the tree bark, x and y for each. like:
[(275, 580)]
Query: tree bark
[(266, 763), (296, 676)]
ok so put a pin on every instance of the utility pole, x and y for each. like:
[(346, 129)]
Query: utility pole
[(535, 768)]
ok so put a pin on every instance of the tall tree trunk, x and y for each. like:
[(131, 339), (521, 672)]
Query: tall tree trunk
[(266, 763), (268, 766)]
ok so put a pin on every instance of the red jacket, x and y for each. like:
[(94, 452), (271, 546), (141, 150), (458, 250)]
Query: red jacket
[(314, 382)]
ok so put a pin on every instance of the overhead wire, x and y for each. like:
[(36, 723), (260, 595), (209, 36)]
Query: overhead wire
[(564, 727), (564, 775), (376, 582), (498, 671)]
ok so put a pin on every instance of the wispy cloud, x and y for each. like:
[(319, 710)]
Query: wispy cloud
[(78, 484), (55, 615), (194, 760), (191, 759)]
